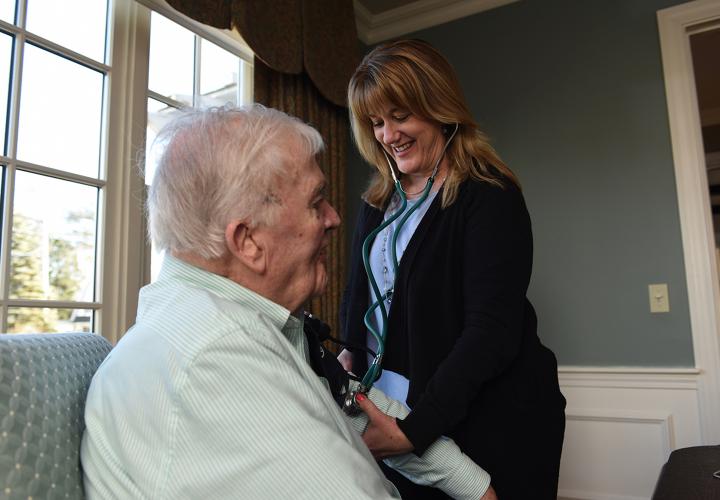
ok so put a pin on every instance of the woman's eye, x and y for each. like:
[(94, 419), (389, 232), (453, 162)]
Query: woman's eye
[(401, 118), (376, 124)]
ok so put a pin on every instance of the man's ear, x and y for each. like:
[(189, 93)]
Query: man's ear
[(243, 243)]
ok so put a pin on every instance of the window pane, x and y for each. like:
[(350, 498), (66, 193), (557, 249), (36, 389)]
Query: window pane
[(53, 239), (7, 10), (172, 56), (47, 320), (60, 113), (219, 73), (5, 58), (2, 199), (159, 114), (78, 25)]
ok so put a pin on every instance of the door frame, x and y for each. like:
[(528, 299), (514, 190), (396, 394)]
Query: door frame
[(675, 26)]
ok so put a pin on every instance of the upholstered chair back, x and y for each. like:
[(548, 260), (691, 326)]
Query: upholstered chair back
[(44, 380)]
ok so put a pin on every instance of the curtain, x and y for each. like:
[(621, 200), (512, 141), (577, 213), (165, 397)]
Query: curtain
[(315, 37), (296, 95)]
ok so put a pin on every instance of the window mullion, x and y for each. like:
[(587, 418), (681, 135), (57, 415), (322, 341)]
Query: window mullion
[(55, 48), (246, 82), (55, 304), (11, 128), (166, 100), (21, 13), (6, 238), (196, 72), (58, 174)]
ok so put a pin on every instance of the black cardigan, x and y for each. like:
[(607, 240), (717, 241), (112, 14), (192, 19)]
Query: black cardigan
[(460, 327)]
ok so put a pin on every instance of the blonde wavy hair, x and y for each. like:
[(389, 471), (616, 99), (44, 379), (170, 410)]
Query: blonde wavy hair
[(414, 76)]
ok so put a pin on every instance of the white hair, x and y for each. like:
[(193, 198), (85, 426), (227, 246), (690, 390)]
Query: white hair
[(220, 165)]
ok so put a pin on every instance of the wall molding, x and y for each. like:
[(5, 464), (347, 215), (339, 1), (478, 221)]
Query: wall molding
[(565, 494), (674, 25), (622, 424), (627, 369), (631, 380), (663, 420), (421, 14)]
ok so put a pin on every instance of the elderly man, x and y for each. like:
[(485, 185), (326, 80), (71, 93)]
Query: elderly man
[(210, 394)]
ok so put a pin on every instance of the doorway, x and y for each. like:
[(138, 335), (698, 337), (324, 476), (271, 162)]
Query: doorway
[(677, 25), (705, 49)]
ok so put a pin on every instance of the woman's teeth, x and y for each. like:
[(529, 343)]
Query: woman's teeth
[(402, 148)]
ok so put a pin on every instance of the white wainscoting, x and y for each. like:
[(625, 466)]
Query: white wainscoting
[(621, 426)]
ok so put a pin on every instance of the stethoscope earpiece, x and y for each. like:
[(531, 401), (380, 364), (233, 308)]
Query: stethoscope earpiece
[(446, 129)]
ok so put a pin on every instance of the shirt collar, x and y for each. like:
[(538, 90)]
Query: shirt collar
[(176, 269)]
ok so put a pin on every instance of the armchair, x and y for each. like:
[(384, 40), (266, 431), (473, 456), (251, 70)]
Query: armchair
[(44, 380)]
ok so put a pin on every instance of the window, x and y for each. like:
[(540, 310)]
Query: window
[(53, 104), (74, 100), (187, 70)]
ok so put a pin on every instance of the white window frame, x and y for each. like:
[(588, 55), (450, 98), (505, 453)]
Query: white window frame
[(229, 40), (22, 38)]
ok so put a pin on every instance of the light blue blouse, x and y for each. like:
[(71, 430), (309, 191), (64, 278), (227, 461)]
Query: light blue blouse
[(392, 384)]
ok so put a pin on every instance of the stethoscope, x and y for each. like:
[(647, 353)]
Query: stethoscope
[(375, 369)]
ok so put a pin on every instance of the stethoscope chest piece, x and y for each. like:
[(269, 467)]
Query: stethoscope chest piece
[(350, 405)]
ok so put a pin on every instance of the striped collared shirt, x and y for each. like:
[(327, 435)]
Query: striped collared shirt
[(209, 395)]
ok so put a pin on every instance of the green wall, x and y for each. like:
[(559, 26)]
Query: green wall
[(572, 94)]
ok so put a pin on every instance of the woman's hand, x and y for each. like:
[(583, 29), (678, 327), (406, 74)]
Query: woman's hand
[(383, 436), (489, 494), (345, 359)]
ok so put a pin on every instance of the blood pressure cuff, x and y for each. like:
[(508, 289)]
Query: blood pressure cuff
[(323, 362)]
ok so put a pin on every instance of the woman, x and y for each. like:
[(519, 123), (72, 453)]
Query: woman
[(462, 348)]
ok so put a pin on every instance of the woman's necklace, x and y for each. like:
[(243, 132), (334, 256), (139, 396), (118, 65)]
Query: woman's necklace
[(413, 194)]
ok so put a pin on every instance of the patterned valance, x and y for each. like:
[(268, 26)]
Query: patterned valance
[(317, 37)]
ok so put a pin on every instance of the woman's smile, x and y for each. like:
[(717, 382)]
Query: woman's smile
[(401, 149), (414, 142)]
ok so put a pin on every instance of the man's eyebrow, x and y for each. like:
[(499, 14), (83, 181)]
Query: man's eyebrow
[(320, 189)]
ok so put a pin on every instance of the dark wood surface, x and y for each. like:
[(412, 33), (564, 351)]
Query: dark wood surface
[(688, 474)]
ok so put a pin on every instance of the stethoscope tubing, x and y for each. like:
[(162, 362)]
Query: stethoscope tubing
[(375, 368)]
